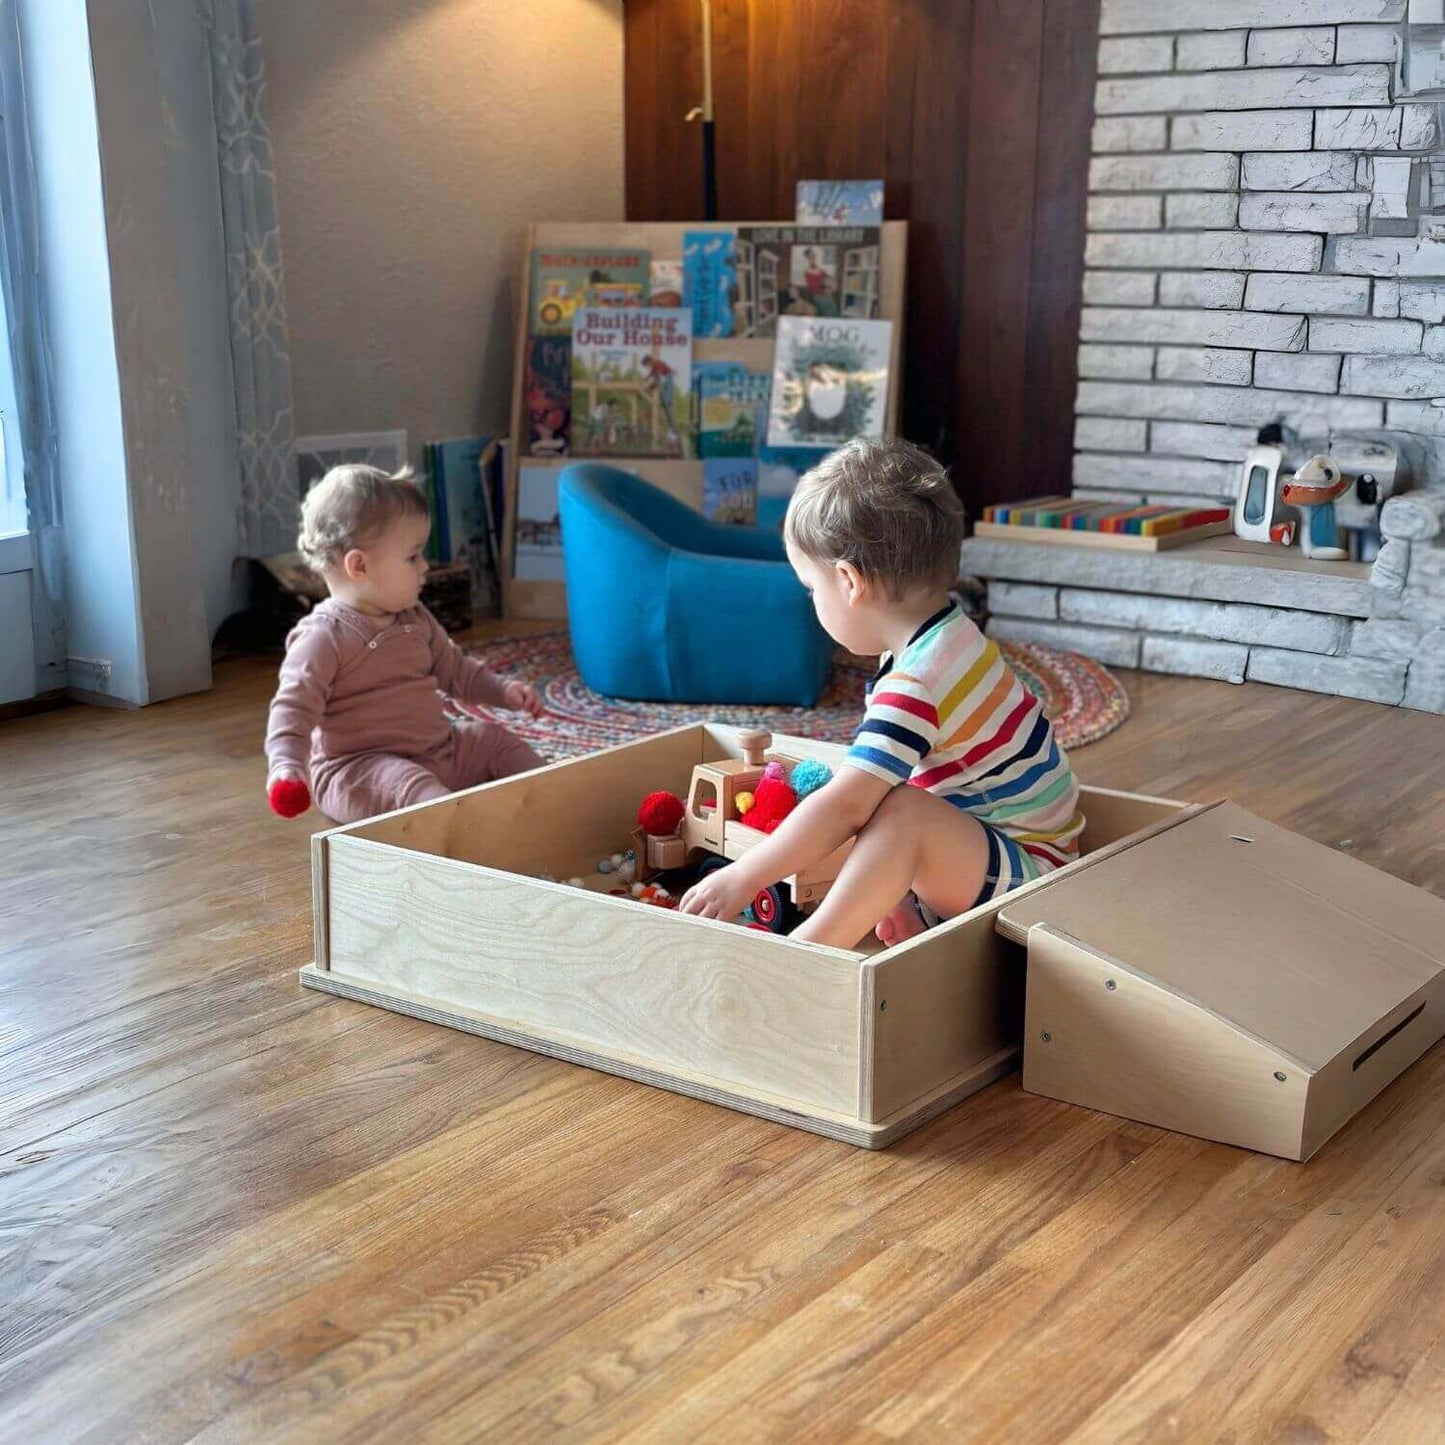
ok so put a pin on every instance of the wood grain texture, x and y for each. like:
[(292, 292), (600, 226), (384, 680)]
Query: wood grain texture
[(976, 113), (237, 1209)]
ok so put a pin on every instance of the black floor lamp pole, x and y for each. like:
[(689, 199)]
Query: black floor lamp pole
[(704, 112)]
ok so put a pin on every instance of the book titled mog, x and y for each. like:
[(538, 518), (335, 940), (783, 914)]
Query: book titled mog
[(830, 381)]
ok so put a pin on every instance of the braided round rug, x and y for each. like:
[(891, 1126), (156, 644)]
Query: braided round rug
[(1084, 700)]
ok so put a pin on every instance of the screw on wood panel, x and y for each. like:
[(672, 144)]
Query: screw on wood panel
[(1110, 984), (883, 1006), (1047, 1037), (1279, 1075)]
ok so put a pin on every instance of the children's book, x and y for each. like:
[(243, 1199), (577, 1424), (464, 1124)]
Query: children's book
[(730, 489), (830, 381), (732, 410), (459, 468), (708, 280), (839, 203), (803, 271), (632, 382), (435, 549), (563, 280), (537, 549), (664, 283), (547, 395)]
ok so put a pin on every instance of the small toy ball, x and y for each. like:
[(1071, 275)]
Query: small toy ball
[(743, 802), (659, 814), (810, 775), (289, 797), (776, 771), (606, 866), (638, 889), (775, 799), (617, 858), (575, 883)]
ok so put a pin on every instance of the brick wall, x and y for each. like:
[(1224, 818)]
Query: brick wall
[(1244, 265), (1236, 270)]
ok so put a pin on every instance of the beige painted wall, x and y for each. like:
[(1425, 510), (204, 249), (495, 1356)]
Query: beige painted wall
[(414, 141)]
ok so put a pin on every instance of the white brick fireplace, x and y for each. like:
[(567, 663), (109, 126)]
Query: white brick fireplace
[(1266, 242)]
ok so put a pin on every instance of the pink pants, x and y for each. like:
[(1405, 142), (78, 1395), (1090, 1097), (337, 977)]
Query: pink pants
[(365, 784)]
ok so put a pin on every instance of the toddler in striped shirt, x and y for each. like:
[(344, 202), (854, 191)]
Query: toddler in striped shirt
[(990, 801)]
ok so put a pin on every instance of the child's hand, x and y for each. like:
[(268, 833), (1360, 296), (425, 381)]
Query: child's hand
[(289, 796), (523, 697), (723, 894)]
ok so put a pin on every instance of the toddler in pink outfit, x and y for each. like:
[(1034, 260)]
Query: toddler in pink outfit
[(358, 717)]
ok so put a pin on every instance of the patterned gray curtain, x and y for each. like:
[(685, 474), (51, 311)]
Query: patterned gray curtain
[(260, 349), (29, 337)]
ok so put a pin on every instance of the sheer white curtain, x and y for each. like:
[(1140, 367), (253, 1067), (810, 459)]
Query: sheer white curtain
[(30, 428), (260, 348)]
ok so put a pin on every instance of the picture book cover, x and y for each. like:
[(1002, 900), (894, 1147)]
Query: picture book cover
[(547, 395), (565, 279), (708, 280), (632, 382), (664, 283), (730, 490), (830, 381), (537, 546), (803, 271), (839, 203), (459, 468), (732, 410)]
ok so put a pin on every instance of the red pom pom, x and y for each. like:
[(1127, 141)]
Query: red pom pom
[(660, 814), (773, 801), (290, 797)]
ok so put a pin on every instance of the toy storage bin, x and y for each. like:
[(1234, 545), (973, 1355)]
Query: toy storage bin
[(435, 911)]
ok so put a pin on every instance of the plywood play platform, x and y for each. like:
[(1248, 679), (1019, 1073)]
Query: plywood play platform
[(1173, 974)]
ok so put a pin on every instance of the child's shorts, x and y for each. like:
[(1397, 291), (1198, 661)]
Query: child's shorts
[(1008, 867)]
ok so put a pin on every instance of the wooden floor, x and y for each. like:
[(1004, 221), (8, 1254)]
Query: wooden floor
[(236, 1210)]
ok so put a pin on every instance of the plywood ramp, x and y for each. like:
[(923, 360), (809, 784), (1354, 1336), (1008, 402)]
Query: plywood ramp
[(1230, 979)]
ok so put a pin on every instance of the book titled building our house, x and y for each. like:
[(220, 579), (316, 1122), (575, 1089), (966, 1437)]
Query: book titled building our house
[(802, 271), (830, 381), (632, 382)]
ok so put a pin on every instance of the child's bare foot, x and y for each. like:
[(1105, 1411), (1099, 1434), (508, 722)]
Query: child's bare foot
[(901, 922)]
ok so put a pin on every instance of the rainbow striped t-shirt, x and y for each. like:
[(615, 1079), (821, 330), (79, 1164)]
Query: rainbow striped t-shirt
[(950, 715)]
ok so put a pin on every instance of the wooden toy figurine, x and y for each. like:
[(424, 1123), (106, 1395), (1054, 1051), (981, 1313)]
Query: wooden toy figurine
[(1313, 489)]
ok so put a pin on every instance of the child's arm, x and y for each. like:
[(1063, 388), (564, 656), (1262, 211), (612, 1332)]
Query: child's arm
[(897, 732), (465, 679), (821, 823), (308, 672)]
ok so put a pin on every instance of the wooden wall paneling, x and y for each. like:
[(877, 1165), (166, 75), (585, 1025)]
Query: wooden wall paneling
[(976, 114), (998, 231), (1061, 186)]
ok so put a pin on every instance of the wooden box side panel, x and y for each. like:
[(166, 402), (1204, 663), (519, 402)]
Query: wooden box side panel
[(1372, 1063), (704, 999), (1110, 816), (938, 1011), (1098, 1034), (559, 819)]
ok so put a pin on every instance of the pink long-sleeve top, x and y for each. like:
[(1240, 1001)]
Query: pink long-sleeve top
[(351, 683)]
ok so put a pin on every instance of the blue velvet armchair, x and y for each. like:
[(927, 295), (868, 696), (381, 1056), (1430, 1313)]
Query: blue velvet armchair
[(669, 607)]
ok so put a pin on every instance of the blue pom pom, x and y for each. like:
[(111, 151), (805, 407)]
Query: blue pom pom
[(810, 775)]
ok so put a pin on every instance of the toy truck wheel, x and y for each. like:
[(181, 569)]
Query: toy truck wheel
[(772, 909)]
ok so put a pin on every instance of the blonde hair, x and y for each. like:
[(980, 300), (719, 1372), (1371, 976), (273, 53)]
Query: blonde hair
[(885, 507), (353, 505)]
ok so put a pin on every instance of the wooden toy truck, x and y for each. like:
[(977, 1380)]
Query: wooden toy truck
[(713, 831)]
